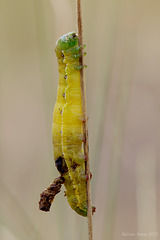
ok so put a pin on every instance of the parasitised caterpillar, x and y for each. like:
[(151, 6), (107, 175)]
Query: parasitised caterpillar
[(67, 129), (68, 125)]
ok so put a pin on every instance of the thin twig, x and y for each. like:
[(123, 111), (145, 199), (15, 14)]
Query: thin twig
[(85, 125)]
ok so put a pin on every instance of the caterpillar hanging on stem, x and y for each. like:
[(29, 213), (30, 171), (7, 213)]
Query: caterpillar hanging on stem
[(67, 130)]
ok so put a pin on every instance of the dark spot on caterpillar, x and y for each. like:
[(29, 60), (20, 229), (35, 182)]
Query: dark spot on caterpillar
[(61, 165), (62, 55), (63, 95), (74, 166), (65, 76), (60, 110), (74, 35)]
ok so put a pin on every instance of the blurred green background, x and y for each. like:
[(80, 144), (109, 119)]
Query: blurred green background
[(123, 98)]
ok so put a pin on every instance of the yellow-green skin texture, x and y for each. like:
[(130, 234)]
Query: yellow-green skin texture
[(67, 128)]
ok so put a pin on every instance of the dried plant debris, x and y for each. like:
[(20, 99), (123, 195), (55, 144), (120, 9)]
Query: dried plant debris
[(47, 196)]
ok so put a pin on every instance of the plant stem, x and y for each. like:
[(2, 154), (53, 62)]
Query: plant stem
[(85, 125)]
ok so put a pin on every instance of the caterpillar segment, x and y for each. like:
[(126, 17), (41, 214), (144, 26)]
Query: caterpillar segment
[(67, 131)]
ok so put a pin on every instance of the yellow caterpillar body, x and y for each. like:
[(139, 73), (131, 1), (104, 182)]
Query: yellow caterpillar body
[(67, 133)]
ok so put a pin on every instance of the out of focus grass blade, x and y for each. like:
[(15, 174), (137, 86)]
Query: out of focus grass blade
[(13, 211)]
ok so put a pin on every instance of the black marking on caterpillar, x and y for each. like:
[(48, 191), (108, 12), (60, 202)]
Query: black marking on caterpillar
[(61, 165)]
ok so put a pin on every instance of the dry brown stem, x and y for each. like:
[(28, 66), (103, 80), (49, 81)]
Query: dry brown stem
[(85, 125)]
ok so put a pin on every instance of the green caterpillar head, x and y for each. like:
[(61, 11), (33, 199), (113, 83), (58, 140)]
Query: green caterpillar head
[(66, 41)]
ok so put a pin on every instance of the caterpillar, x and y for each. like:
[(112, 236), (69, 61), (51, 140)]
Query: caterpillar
[(67, 130)]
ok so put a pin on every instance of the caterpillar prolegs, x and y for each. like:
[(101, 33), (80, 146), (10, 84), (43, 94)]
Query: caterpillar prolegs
[(67, 129)]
